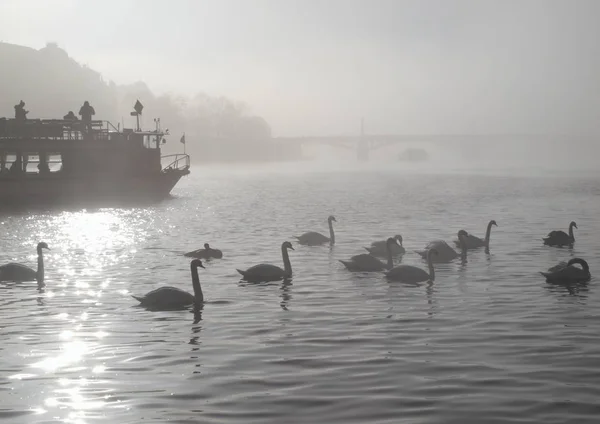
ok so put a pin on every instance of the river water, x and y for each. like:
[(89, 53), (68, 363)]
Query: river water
[(489, 341)]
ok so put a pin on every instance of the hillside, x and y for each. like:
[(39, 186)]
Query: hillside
[(51, 83)]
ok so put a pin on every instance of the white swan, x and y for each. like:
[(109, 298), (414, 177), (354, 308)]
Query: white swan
[(570, 273), (560, 238), (445, 252), (313, 238), (474, 242), (18, 272), (367, 263), (412, 274), (206, 253), (268, 272), (379, 248), (172, 297)]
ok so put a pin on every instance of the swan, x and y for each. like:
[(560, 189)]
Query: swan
[(168, 297), (313, 238), (444, 252), (560, 238), (268, 272), (412, 274), (379, 248), (474, 242), (569, 273), (206, 253), (18, 272), (367, 263)]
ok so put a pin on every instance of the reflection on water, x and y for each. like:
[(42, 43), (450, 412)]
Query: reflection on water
[(488, 341)]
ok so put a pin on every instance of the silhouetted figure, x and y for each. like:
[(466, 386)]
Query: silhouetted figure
[(71, 116), (43, 165), (86, 113), (20, 112)]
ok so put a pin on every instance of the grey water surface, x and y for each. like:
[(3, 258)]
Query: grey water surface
[(489, 341)]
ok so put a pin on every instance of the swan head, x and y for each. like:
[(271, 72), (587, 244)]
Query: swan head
[(493, 222), (197, 263), (462, 233), (399, 238), (573, 224), (42, 245), (206, 246), (331, 218), (287, 245)]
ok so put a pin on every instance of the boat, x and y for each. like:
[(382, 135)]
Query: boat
[(59, 161)]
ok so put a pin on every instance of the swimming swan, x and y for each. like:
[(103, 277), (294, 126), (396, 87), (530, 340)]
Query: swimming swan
[(474, 242), (313, 238), (560, 238), (367, 263), (172, 297), (268, 272), (570, 273), (412, 274), (379, 248), (206, 253), (445, 252), (18, 272)]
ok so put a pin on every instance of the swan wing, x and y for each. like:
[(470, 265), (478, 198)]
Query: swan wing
[(365, 262), (312, 238), (381, 250), (263, 272), (445, 252), (167, 297), (570, 274), (408, 274), (558, 237), (17, 273), (200, 254), (473, 242)]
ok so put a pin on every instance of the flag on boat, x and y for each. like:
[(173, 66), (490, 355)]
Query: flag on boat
[(182, 139)]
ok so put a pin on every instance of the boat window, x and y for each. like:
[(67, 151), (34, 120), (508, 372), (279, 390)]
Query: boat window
[(152, 141), (55, 162), (31, 162)]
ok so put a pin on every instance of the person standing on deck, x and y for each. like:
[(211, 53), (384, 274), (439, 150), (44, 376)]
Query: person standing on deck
[(20, 112), (86, 113)]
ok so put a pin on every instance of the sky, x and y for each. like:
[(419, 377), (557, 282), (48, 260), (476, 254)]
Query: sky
[(316, 67)]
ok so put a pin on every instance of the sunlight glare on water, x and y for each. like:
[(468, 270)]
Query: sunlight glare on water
[(488, 341)]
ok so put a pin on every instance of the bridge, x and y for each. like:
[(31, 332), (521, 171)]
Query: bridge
[(364, 144)]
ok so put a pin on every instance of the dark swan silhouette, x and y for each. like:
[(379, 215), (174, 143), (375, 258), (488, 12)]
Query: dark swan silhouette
[(206, 253), (559, 238), (172, 297), (380, 248), (18, 273), (268, 272), (569, 273), (474, 242), (412, 274), (367, 263), (444, 252), (313, 238)]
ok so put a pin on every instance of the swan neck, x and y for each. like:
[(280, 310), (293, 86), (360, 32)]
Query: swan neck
[(488, 232), (571, 235), (331, 233), (390, 260), (40, 267), (287, 265), (431, 269), (196, 284)]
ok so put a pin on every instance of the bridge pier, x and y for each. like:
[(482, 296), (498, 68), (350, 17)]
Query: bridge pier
[(362, 151)]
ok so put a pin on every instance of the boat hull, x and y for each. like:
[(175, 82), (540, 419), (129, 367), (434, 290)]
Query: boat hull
[(102, 191)]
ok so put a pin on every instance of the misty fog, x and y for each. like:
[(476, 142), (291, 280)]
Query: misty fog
[(310, 68)]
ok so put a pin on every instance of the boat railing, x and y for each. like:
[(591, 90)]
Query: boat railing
[(176, 162)]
